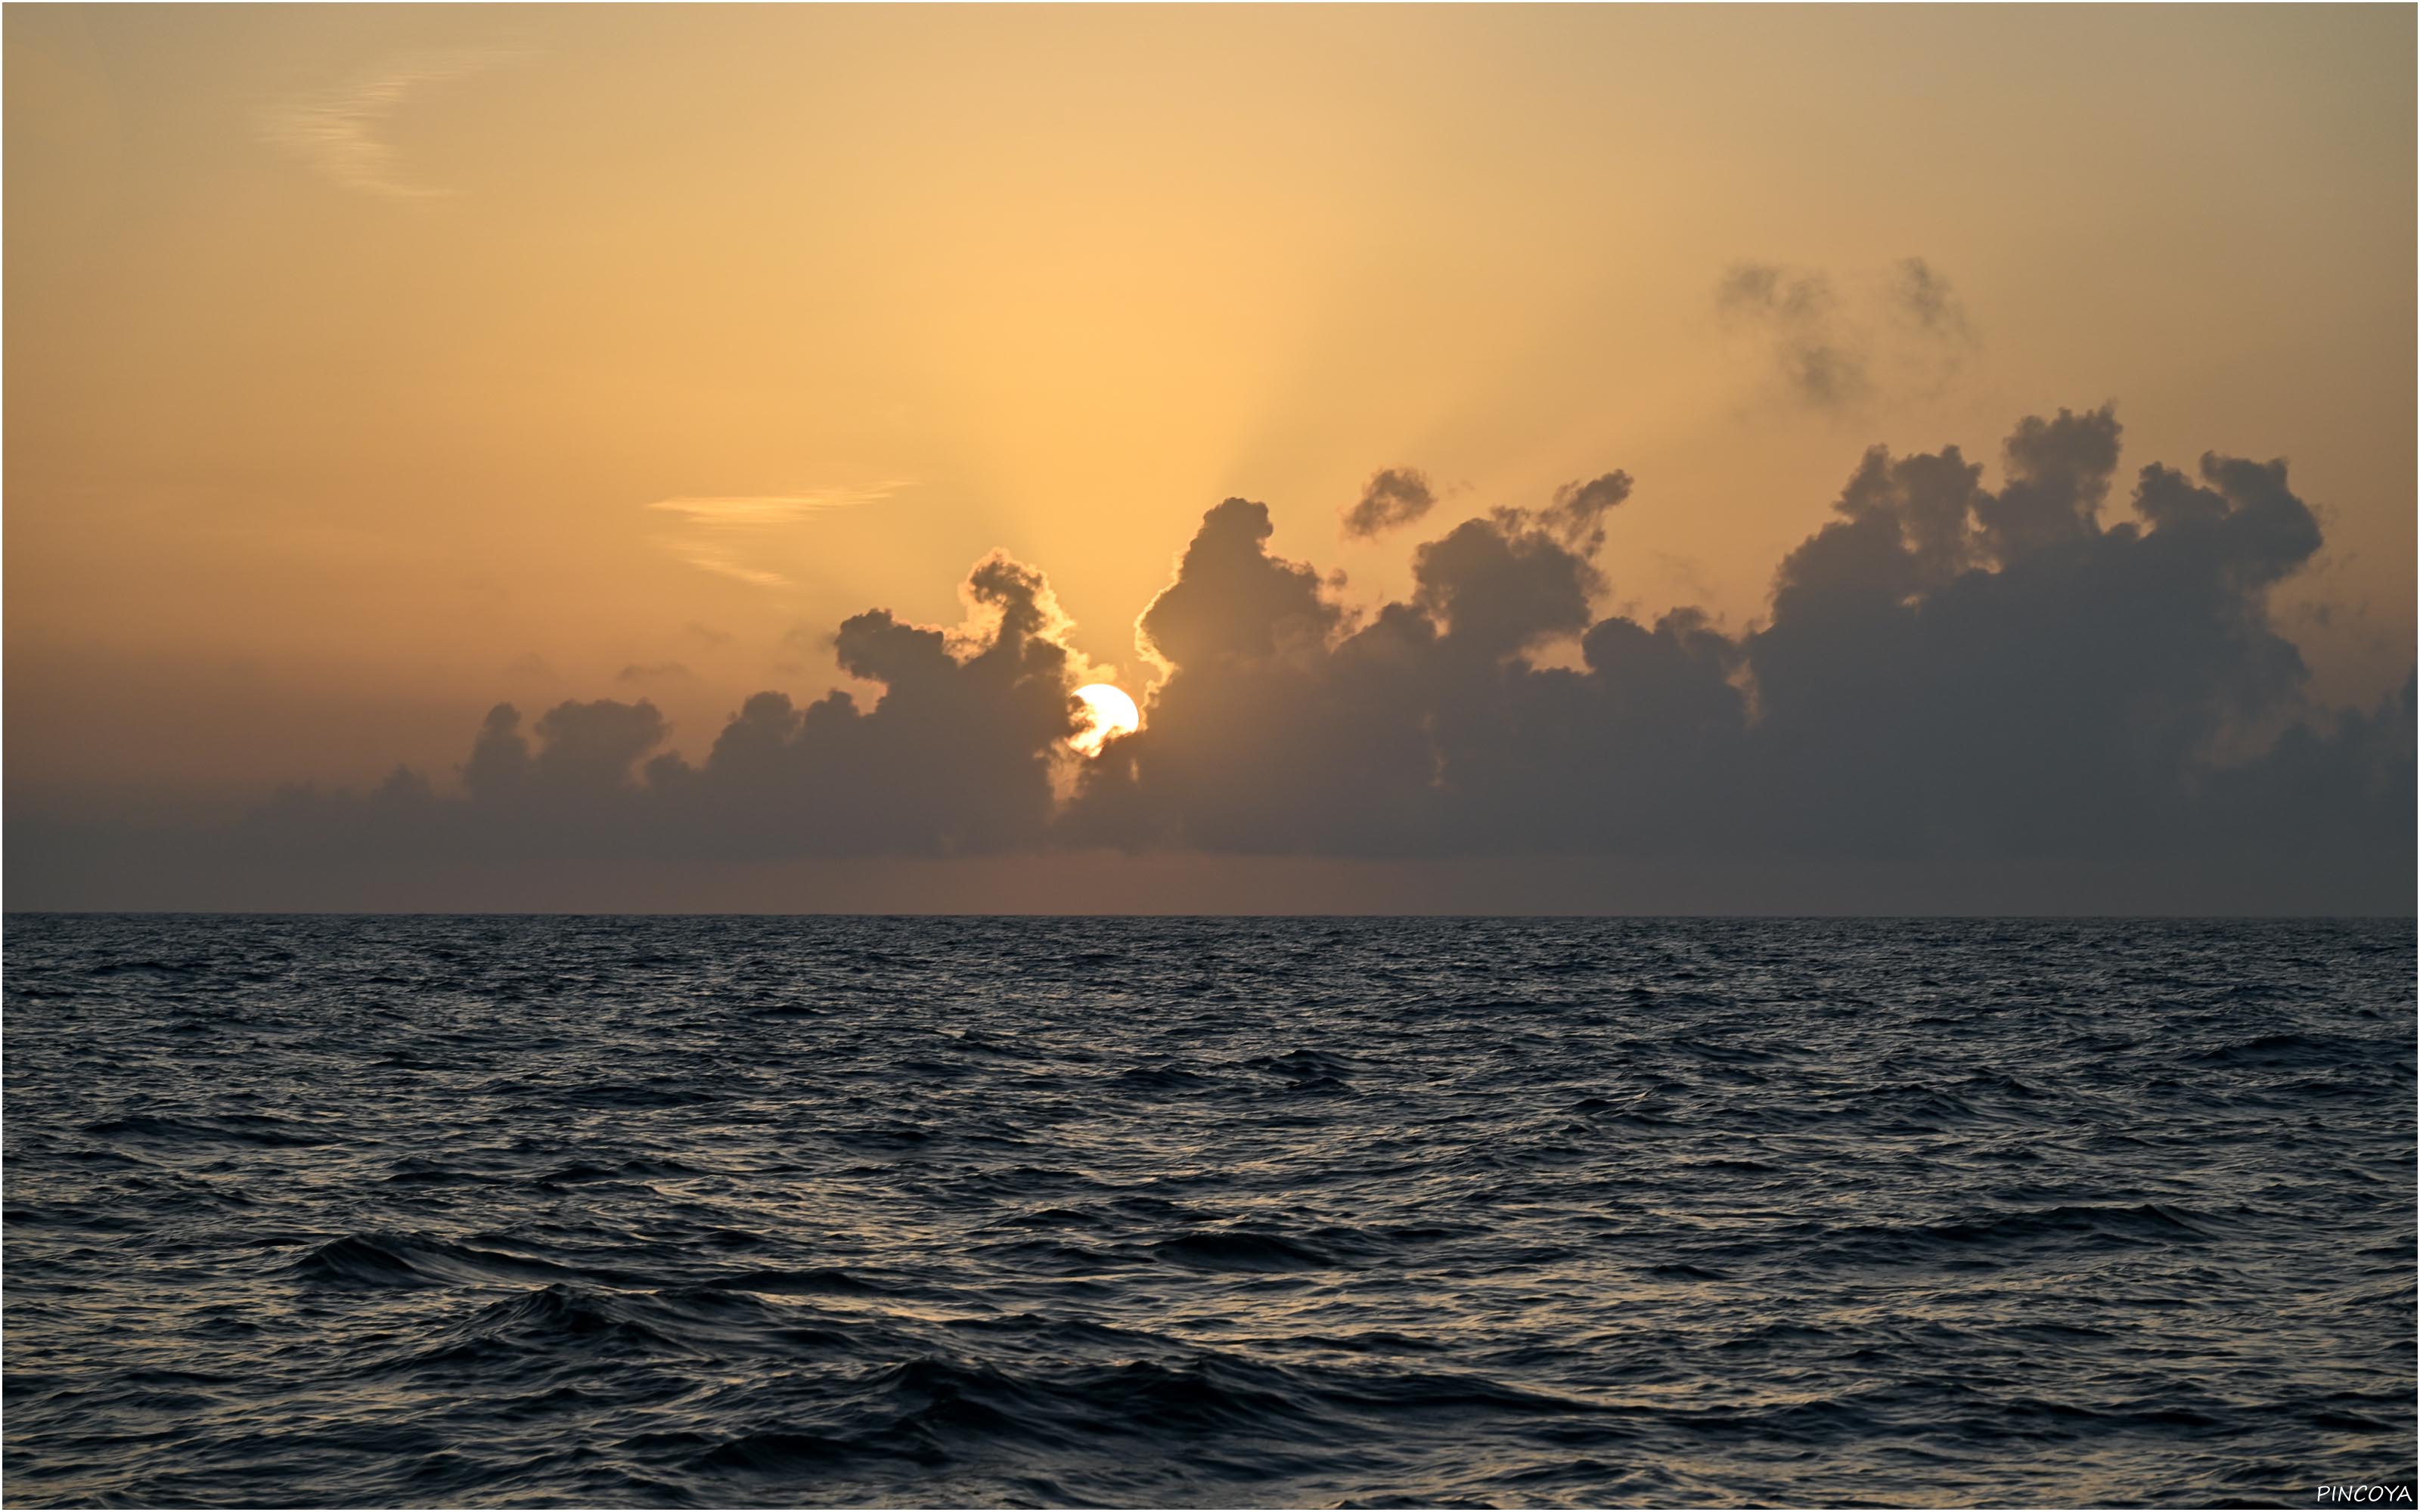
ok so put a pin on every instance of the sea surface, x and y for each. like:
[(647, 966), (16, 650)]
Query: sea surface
[(676, 1211)]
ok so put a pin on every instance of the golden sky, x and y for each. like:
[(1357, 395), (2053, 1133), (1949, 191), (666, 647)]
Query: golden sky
[(368, 365)]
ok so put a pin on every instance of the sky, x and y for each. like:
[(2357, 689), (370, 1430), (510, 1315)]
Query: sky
[(371, 368)]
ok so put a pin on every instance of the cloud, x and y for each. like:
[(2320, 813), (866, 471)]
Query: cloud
[(706, 634), (759, 511), (1819, 362), (337, 132), (1576, 516), (1950, 672), (653, 672), (1231, 600), (1923, 298), (1903, 332), (1392, 497), (954, 756), (708, 557), (721, 533), (2064, 669)]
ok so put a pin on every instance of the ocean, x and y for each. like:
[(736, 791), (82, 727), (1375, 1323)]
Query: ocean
[(677, 1211)]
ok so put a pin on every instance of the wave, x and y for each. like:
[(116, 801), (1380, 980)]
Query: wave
[(2066, 1226), (1235, 1250), (230, 1128), (704, 1211), (399, 1259)]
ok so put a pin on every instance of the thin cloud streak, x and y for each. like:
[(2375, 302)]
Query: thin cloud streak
[(339, 132), (719, 528), (754, 511), (706, 559)]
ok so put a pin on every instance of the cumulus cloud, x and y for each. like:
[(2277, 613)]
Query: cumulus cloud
[(1834, 350), (954, 757), (2061, 666), (1392, 497)]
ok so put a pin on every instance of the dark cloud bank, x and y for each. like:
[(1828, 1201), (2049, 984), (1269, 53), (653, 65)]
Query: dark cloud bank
[(2038, 697)]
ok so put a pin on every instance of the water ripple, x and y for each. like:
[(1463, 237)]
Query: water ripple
[(716, 1211)]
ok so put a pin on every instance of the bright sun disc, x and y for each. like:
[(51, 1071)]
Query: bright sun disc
[(1107, 711)]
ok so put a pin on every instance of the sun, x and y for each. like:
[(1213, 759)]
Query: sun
[(1107, 711)]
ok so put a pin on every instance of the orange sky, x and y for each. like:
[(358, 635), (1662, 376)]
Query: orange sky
[(368, 365)]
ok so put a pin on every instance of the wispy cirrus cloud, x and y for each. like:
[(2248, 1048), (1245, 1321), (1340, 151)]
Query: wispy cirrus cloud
[(756, 511), (339, 131), (721, 533)]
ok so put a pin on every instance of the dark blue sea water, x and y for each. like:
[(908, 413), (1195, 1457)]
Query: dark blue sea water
[(674, 1211)]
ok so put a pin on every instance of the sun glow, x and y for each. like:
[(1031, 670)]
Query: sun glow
[(1107, 711)]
